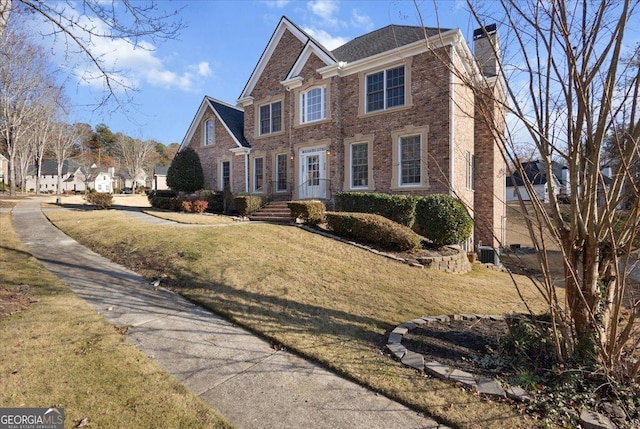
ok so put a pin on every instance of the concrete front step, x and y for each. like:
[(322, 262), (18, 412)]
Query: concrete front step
[(276, 211)]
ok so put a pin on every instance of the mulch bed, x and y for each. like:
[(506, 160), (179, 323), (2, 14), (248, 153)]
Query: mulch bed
[(458, 344)]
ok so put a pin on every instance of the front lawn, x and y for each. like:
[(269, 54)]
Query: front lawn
[(59, 352), (323, 299)]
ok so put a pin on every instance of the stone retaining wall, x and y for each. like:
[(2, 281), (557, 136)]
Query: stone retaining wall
[(458, 263)]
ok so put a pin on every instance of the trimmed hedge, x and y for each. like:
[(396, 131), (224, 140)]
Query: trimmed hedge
[(373, 229), (311, 212), (398, 208), (99, 200), (247, 204), (214, 200), (443, 219)]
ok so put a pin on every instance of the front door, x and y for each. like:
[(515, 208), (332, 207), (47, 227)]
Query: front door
[(313, 183)]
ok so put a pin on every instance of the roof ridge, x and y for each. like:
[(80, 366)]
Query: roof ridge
[(224, 103)]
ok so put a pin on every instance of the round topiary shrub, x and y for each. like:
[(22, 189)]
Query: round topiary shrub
[(185, 173), (443, 219)]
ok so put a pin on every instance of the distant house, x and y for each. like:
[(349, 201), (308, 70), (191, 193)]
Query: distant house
[(73, 180), (4, 170), (536, 174), (160, 178)]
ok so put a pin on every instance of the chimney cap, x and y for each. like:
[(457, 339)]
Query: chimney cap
[(484, 31)]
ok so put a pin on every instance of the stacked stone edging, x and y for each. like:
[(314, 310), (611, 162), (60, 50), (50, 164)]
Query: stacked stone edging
[(483, 385), (457, 264)]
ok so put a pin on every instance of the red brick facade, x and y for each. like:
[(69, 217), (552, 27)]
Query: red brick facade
[(438, 111)]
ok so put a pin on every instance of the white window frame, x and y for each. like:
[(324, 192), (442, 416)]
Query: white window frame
[(304, 107), (257, 188), (271, 121), (278, 172), (351, 177), (222, 173), (400, 160), (385, 89), (470, 170), (208, 133)]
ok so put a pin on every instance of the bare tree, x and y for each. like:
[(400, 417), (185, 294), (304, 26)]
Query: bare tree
[(80, 24), (41, 132), (561, 75), (23, 81), (134, 155), (65, 142)]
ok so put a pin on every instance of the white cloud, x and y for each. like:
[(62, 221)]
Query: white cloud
[(203, 69), (325, 9), (361, 21), (325, 38), (278, 4)]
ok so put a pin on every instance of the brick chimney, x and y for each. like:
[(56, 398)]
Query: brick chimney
[(490, 209), (486, 48)]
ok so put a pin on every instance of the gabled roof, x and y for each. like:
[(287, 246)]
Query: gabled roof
[(284, 25), (536, 173), (232, 118), (160, 170), (382, 40), (50, 167)]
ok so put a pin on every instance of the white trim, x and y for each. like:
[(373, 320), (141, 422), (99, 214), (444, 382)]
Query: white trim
[(206, 101), (452, 137), (283, 26), (310, 48), (323, 101), (451, 37)]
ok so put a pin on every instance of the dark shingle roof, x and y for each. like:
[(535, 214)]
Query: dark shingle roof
[(160, 170), (382, 40), (233, 118), (536, 173), (50, 167)]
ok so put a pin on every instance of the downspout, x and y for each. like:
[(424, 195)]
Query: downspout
[(451, 133), (246, 172)]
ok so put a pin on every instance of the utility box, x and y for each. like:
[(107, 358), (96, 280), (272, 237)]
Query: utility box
[(489, 255)]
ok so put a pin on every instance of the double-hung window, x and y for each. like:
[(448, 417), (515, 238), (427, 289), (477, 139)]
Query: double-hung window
[(313, 105), (410, 160), (271, 118), (359, 165), (470, 170), (226, 174), (385, 89)]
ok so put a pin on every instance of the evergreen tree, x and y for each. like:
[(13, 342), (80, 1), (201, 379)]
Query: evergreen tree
[(185, 172)]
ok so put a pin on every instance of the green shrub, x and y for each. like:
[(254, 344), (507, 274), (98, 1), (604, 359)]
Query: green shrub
[(164, 203), (443, 219), (247, 204), (99, 200), (310, 212), (214, 200), (163, 193), (398, 208), (185, 173), (373, 229)]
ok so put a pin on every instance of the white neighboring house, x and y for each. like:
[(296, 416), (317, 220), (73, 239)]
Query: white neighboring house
[(102, 180), (4, 170), (73, 180), (160, 178), (535, 172)]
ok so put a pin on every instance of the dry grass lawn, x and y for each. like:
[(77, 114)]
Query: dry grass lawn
[(60, 352), (323, 299)]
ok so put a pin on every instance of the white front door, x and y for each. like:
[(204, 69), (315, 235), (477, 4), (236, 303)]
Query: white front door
[(313, 183)]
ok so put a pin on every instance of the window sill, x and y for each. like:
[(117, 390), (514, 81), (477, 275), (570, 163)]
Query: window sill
[(421, 187), (385, 111), (264, 136), (310, 124)]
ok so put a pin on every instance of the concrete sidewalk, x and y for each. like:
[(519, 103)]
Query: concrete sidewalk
[(239, 375)]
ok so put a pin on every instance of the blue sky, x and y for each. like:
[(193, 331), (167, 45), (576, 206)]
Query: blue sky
[(217, 51)]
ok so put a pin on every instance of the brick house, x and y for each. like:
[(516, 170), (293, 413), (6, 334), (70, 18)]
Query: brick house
[(382, 113)]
